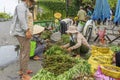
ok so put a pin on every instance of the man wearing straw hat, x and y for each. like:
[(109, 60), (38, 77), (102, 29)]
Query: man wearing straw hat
[(76, 41)]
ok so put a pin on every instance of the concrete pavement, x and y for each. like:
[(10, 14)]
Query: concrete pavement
[(9, 71)]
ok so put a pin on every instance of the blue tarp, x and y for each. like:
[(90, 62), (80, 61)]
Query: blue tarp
[(117, 13), (101, 11)]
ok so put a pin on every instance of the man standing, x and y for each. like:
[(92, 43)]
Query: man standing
[(21, 31), (81, 14)]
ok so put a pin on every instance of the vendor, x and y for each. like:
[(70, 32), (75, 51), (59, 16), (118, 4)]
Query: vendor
[(64, 23), (40, 43), (77, 41)]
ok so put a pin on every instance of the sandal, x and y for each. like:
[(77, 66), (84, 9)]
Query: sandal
[(29, 71), (36, 58)]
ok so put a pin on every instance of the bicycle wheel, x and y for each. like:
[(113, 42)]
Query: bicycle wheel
[(88, 33)]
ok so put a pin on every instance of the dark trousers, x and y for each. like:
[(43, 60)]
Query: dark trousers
[(117, 59), (24, 53), (63, 27)]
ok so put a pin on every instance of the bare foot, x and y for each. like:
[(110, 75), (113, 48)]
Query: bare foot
[(36, 58)]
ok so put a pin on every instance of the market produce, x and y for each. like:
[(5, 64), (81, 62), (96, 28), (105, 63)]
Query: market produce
[(82, 68), (43, 75), (58, 64), (84, 49), (61, 67), (65, 38), (84, 77), (111, 70), (115, 48), (46, 34), (55, 50)]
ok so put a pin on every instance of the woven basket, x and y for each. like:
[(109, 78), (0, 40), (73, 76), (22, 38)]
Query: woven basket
[(115, 73), (103, 49), (97, 60)]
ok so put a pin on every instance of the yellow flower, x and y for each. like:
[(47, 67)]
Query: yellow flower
[(57, 15), (76, 18), (56, 20)]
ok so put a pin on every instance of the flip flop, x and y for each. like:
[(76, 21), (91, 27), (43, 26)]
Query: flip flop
[(36, 58), (29, 71)]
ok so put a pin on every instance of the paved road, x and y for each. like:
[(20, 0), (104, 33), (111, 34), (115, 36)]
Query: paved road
[(5, 38), (9, 71)]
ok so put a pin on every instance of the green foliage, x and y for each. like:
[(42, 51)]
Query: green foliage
[(53, 6), (77, 4), (58, 64), (50, 7), (65, 38), (46, 34), (55, 50), (113, 4), (80, 67), (45, 16), (87, 2), (4, 15), (115, 48), (43, 75)]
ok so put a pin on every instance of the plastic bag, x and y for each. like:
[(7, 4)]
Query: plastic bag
[(99, 76), (80, 27), (32, 48)]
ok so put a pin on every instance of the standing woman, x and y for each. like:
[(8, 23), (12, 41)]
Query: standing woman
[(22, 31)]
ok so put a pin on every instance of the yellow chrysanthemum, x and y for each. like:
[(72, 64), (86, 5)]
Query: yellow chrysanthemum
[(57, 15), (76, 18)]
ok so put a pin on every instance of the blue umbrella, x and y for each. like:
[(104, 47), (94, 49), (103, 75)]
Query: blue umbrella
[(101, 11), (117, 13)]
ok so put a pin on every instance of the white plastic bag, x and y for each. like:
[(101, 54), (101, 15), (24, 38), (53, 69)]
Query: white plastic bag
[(80, 27)]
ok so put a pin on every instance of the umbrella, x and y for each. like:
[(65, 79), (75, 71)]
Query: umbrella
[(117, 13), (101, 11)]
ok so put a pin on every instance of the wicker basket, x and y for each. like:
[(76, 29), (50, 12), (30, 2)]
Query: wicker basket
[(115, 73), (103, 49)]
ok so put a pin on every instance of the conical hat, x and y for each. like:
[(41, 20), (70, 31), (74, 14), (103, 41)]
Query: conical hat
[(37, 29), (72, 29)]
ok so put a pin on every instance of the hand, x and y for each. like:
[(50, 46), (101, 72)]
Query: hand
[(63, 47), (28, 34), (47, 40), (69, 49)]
